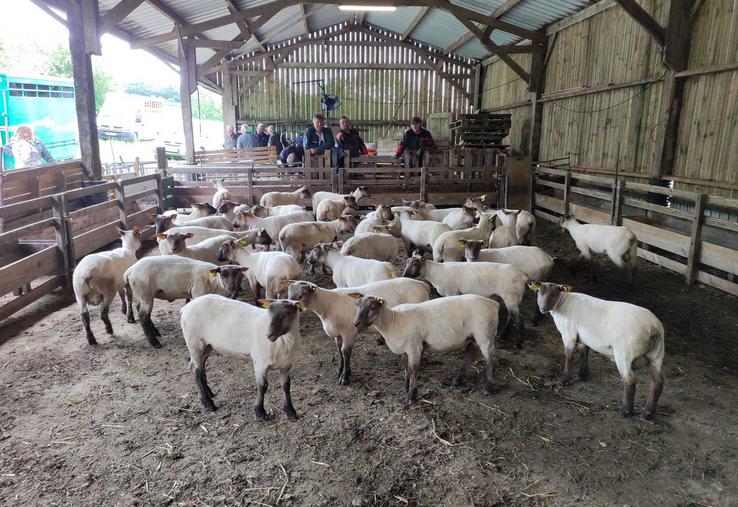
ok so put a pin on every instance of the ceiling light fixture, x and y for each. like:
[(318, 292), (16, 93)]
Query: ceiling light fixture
[(379, 8)]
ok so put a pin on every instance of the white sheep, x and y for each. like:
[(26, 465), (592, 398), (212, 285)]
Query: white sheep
[(266, 269), (298, 238), (377, 244), (99, 277), (437, 215), (503, 236), (618, 242), (273, 211), (418, 204), (630, 335), (221, 193), (281, 198), (166, 222), (383, 215), (172, 277), (444, 325), (336, 309), (227, 209), (525, 226), (480, 278), (270, 337), (446, 247), (329, 209), (272, 225), (359, 194), (206, 250), (252, 237), (199, 210), (462, 218), (348, 271), (477, 202), (419, 233), (529, 260)]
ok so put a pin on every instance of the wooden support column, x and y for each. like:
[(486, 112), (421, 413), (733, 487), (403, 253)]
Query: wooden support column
[(230, 98), (535, 89), (477, 87), (187, 85), (676, 55), (695, 238), (82, 16)]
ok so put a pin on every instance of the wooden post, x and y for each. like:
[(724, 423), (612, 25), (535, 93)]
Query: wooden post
[(341, 176), (137, 166), (617, 202), (120, 193), (82, 23), (567, 191), (61, 182), (59, 210), (424, 183), (695, 239), (159, 194), (230, 98), (250, 176), (535, 89), (35, 184), (187, 85), (161, 160)]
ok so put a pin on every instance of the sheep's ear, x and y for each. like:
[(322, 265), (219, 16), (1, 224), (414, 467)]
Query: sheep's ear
[(172, 216), (565, 288), (534, 286), (214, 271), (243, 269), (355, 295), (483, 198), (161, 235), (381, 301), (264, 303), (462, 243), (136, 229), (285, 284), (188, 235)]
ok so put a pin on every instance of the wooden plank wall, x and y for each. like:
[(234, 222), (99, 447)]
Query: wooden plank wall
[(370, 97), (613, 126)]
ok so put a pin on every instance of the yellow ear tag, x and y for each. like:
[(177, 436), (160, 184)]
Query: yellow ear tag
[(461, 244), (355, 295), (566, 288), (242, 242), (213, 272), (264, 303), (483, 198), (534, 287), (380, 301)]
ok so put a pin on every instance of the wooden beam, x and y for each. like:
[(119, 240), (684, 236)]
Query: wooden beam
[(186, 67), (229, 98), (580, 16), (215, 44), (504, 8), (535, 89), (357, 66), (417, 19), (242, 26), (118, 13), (168, 12), (644, 19), (303, 19), (458, 42)]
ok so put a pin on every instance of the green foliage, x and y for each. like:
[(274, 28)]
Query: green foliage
[(168, 92), (103, 83), (206, 107), (59, 63)]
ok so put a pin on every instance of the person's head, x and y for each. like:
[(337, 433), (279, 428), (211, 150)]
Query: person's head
[(318, 122), (24, 132), (229, 130), (270, 129), (244, 128), (291, 158), (416, 124), (260, 128), (345, 123)]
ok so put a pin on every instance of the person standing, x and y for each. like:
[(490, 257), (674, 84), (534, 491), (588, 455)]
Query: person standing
[(275, 139), (230, 140), (417, 141), (246, 139), (318, 138), (349, 140), (27, 149), (261, 136)]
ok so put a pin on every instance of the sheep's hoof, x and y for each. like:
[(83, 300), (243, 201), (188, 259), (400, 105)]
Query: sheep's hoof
[(124, 309), (584, 374), (488, 390), (109, 329), (131, 319), (344, 380), (209, 406), (291, 414), (91, 340), (154, 342), (458, 381), (626, 411), (564, 378), (262, 416)]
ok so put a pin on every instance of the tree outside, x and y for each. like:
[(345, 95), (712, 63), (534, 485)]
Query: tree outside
[(59, 63)]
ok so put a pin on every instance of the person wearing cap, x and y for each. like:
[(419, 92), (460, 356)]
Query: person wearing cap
[(417, 141)]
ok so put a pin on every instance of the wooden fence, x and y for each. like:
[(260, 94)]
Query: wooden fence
[(702, 248), (38, 257)]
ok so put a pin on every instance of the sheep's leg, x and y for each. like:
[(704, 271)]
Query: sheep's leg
[(129, 298), (489, 358), (144, 317), (460, 376), (205, 392), (286, 383), (206, 355), (413, 365), (565, 376), (407, 376), (105, 312), (262, 384), (346, 349), (583, 362), (324, 268), (629, 389), (123, 305), (85, 315), (595, 270), (339, 345), (657, 386), (519, 326)]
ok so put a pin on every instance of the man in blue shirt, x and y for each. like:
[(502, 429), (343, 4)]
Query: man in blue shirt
[(318, 138), (246, 140)]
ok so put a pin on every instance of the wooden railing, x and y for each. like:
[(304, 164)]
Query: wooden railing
[(702, 248), (261, 155), (39, 256)]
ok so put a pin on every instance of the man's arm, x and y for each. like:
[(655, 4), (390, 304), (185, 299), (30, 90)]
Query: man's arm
[(362, 146), (401, 146), (431, 145), (41, 147)]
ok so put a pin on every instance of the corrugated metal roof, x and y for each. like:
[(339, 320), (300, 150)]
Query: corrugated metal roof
[(438, 27)]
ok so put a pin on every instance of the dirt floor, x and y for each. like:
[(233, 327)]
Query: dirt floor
[(121, 423)]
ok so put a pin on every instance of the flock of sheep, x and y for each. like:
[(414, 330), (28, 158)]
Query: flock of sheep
[(469, 255)]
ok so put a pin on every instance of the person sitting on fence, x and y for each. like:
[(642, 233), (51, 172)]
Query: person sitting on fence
[(417, 141), (318, 138), (293, 155), (275, 139), (27, 149), (247, 139), (349, 141), (261, 135), (230, 139)]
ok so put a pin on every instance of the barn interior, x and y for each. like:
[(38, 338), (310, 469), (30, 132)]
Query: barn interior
[(618, 113)]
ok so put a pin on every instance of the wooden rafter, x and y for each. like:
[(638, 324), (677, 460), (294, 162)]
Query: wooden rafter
[(118, 13), (417, 19), (241, 23), (303, 18), (644, 19), (458, 42), (505, 8)]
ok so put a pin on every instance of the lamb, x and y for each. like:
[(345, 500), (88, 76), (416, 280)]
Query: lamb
[(272, 225), (206, 250), (336, 309), (174, 277), (418, 204), (530, 260), (266, 269), (444, 325), (446, 247), (420, 232), (525, 226), (631, 335), (477, 202), (380, 216), (437, 215), (348, 271), (329, 210), (360, 193), (99, 276), (270, 337), (461, 218), (298, 238), (480, 278), (252, 237), (199, 210), (281, 198), (618, 242), (377, 244), (221, 193), (503, 236), (263, 211), (166, 222), (227, 209)]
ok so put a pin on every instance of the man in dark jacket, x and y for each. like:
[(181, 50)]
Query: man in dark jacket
[(318, 138), (261, 135), (274, 139), (292, 155), (349, 140), (417, 141)]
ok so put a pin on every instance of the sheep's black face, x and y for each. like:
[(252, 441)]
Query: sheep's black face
[(163, 222), (548, 296), (384, 212), (226, 206), (231, 278), (367, 311), (282, 314), (472, 249), (305, 193), (364, 191), (226, 250), (315, 257), (263, 237), (349, 201), (413, 267), (301, 291), (206, 208), (177, 242), (260, 211)]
